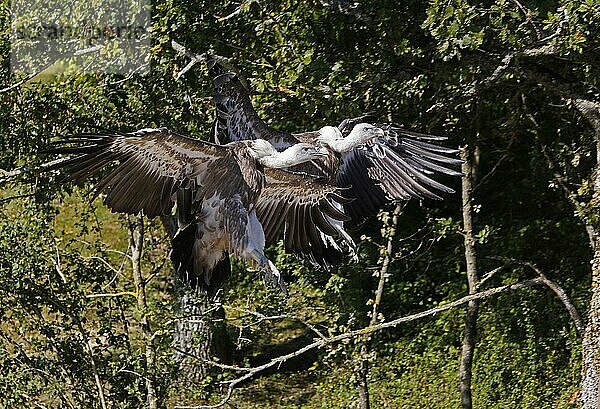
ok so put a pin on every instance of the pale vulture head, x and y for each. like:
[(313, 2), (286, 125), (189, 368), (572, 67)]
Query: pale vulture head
[(329, 134), (363, 133)]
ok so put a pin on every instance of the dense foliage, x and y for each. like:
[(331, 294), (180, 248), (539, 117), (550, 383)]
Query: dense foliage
[(499, 76)]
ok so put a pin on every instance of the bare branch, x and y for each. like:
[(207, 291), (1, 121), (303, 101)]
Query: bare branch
[(7, 175), (8, 199), (108, 295), (557, 289), (57, 265), (487, 276), (368, 330), (236, 12), (195, 58)]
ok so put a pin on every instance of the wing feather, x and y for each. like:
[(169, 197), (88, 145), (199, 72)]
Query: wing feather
[(397, 167), (308, 213), (236, 118), (151, 165)]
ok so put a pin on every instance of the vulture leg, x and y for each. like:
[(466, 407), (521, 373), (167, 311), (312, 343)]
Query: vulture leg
[(254, 250)]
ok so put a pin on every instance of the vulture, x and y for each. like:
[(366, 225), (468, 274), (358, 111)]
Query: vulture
[(373, 163), (215, 189)]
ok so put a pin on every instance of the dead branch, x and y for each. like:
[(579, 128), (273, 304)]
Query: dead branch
[(194, 58), (366, 331), (557, 289), (489, 275)]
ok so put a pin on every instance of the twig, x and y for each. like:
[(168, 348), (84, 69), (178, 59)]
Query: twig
[(130, 75), (105, 262), (558, 290), (8, 199), (119, 294), (235, 12), (57, 265), (213, 363), (139, 375), (488, 275), (261, 317), (527, 13), (195, 58)]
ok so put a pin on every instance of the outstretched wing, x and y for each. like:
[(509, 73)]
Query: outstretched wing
[(154, 165), (398, 166), (310, 214), (236, 118)]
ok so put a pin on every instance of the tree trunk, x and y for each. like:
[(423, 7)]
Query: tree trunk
[(136, 246), (193, 337), (590, 385), (200, 331), (363, 367), (468, 347)]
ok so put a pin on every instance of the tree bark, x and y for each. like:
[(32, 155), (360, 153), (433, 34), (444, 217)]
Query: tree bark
[(136, 246), (200, 331), (590, 385), (468, 346), (363, 369)]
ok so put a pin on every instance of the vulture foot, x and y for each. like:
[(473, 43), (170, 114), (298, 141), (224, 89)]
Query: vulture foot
[(273, 277)]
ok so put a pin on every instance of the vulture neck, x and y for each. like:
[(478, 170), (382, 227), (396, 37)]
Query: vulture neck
[(348, 143), (278, 160)]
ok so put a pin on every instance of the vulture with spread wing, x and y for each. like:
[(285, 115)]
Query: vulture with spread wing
[(373, 163), (217, 190)]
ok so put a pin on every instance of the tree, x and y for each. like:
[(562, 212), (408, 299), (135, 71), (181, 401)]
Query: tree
[(518, 80)]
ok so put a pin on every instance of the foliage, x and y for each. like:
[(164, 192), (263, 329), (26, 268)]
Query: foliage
[(435, 67)]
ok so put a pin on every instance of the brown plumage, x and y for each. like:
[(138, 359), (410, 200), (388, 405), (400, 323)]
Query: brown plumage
[(216, 189), (373, 163)]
